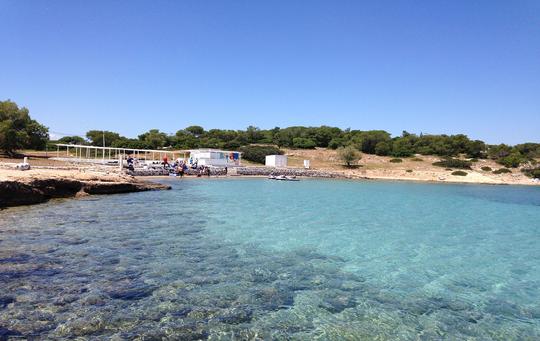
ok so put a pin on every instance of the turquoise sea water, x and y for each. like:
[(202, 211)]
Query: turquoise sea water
[(260, 259)]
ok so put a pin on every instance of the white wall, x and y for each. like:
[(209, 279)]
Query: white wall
[(276, 160), (205, 158)]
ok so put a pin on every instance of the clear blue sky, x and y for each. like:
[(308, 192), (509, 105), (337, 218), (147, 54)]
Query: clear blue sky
[(466, 66)]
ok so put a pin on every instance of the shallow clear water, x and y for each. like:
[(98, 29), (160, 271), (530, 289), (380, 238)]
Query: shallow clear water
[(260, 259)]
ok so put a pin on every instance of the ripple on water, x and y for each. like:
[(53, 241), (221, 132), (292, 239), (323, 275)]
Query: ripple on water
[(166, 273)]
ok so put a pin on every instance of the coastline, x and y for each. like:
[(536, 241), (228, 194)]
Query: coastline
[(37, 186), (40, 184), (341, 176)]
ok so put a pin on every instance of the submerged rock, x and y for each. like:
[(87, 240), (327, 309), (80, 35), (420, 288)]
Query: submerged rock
[(336, 301), (132, 292), (5, 333), (5, 300)]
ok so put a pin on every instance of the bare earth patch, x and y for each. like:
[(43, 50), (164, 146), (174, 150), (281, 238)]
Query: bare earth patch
[(380, 167)]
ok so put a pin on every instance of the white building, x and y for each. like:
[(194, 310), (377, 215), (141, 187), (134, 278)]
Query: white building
[(214, 157), (276, 160)]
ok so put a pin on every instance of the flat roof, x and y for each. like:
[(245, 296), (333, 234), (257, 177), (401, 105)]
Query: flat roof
[(148, 150), (206, 150), (127, 149)]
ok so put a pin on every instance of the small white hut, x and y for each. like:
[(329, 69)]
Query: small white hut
[(276, 160), (214, 157)]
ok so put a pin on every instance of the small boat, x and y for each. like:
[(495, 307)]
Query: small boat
[(272, 177), (286, 178), (291, 178)]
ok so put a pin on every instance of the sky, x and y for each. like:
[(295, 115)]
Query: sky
[(439, 67)]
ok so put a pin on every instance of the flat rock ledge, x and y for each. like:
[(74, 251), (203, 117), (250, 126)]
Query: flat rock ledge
[(35, 191)]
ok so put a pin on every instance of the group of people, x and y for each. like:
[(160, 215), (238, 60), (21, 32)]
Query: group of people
[(179, 167)]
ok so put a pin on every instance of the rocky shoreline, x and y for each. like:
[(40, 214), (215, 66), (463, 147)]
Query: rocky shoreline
[(250, 171), (35, 191)]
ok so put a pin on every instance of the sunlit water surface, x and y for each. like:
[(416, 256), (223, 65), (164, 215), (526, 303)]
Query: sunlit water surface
[(261, 259)]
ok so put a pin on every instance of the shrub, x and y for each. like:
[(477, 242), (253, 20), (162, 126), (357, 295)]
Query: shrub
[(383, 148), (513, 160), (459, 173), (453, 163), (349, 155), (448, 169), (258, 153), (486, 169), (336, 142), (417, 159), (409, 170), (396, 160), (502, 171), (532, 172), (474, 160), (304, 143)]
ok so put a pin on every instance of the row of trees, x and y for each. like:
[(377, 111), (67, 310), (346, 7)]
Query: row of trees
[(377, 142), (19, 131)]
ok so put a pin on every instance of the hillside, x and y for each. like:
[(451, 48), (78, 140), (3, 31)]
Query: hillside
[(418, 168)]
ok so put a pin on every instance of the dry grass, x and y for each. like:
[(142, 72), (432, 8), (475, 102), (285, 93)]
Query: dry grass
[(413, 168)]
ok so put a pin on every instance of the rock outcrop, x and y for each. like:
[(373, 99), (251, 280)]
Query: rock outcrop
[(21, 192)]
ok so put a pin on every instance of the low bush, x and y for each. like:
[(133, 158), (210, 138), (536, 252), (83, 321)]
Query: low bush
[(513, 160), (474, 160), (258, 153), (409, 170), (502, 171), (486, 169), (532, 172), (396, 160), (459, 173), (453, 163), (417, 159)]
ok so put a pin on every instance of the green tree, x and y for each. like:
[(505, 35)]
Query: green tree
[(18, 130), (124, 142), (253, 134), (195, 130), (403, 146), (154, 138), (258, 153), (96, 137), (475, 149), (529, 150), (513, 160), (349, 155), (383, 148), (324, 134), (185, 140), (72, 140), (337, 142), (368, 140), (499, 151), (303, 143)]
